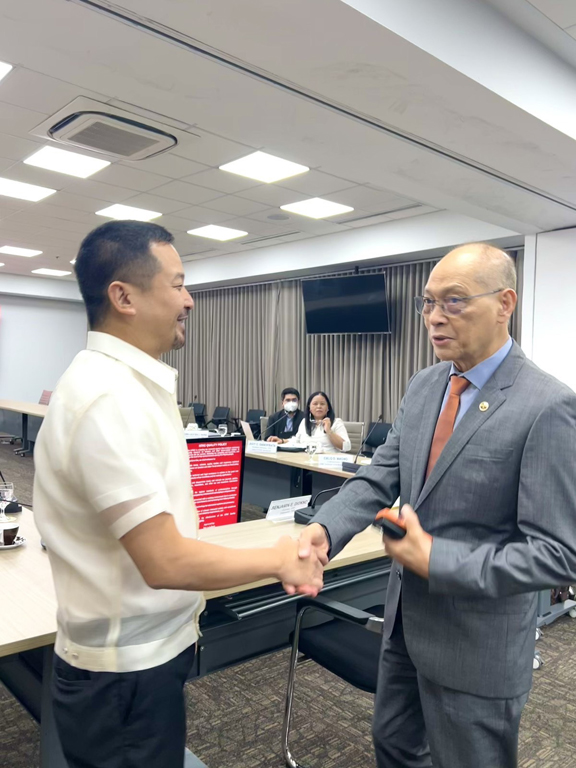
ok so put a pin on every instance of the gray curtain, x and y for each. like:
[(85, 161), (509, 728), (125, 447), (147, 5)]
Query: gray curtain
[(245, 344)]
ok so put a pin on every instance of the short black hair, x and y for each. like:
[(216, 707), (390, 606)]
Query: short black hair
[(308, 415), (289, 391), (117, 250)]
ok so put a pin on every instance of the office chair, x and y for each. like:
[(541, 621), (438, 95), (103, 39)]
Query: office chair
[(377, 438), (355, 431), (348, 646), (199, 413), (253, 419), (187, 415), (220, 416)]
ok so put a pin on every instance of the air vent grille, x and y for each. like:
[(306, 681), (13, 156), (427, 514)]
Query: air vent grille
[(115, 141)]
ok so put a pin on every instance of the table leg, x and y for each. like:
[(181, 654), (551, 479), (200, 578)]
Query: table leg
[(25, 444), (300, 482)]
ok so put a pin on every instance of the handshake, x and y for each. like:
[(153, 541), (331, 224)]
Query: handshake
[(302, 562)]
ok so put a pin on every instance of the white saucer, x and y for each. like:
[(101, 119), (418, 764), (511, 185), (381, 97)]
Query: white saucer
[(18, 541)]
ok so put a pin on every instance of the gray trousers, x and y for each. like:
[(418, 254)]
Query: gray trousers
[(419, 724)]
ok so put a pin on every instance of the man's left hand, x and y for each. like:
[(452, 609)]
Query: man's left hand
[(413, 551)]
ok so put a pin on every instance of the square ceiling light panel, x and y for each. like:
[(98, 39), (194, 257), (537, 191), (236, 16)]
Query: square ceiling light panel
[(11, 250), (62, 161), (23, 191), (317, 208), (128, 212), (264, 167), (214, 232), (4, 69), (51, 272)]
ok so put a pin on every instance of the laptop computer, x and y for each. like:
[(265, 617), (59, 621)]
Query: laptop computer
[(247, 429)]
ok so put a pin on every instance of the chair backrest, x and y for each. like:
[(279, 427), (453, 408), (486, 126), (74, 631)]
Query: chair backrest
[(45, 397), (187, 415), (199, 408), (264, 425), (379, 434), (254, 414), (221, 414), (355, 433)]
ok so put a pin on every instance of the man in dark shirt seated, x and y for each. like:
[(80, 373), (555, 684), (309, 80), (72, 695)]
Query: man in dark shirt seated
[(284, 423)]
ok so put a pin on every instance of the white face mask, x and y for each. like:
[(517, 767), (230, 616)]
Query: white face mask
[(290, 407)]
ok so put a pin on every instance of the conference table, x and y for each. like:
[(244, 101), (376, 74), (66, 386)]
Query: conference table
[(238, 624), (25, 410), (283, 475)]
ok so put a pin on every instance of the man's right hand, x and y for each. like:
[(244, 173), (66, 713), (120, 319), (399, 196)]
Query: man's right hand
[(314, 539), (299, 575), (274, 439)]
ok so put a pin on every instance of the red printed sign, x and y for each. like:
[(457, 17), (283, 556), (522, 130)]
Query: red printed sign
[(216, 474)]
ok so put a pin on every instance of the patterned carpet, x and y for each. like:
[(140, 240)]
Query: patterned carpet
[(235, 716)]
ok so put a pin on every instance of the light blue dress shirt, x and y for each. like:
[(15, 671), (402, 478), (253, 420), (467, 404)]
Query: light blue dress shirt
[(289, 423), (477, 376)]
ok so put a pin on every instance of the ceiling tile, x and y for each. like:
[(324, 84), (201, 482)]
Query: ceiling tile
[(29, 174), (561, 12), (16, 120), (237, 206), (222, 181), (176, 223), (417, 210), (272, 195), (186, 193), (120, 175), (255, 227), (167, 164), (368, 199), (212, 150), (155, 203), (316, 183), (204, 215), (36, 91), (9, 205), (108, 192), (16, 148), (78, 202), (5, 164)]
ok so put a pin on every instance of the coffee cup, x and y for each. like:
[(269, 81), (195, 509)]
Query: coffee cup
[(8, 535)]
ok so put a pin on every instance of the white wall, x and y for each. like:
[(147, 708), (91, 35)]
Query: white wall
[(38, 340), (554, 305)]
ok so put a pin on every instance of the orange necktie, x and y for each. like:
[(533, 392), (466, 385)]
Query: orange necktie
[(445, 423)]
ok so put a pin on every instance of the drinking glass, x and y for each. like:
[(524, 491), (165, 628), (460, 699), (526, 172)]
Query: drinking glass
[(311, 449), (6, 495), (222, 429)]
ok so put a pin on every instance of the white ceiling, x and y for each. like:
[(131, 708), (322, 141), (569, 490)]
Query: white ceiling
[(328, 95)]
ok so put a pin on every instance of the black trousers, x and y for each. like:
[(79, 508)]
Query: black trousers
[(122, 720)]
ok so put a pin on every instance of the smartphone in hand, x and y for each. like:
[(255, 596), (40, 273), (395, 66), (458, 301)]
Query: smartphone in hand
[(390, 523)]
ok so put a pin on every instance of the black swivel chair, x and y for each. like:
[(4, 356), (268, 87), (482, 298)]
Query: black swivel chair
[(376, 438), (220, 416), (348, 646), (253, 419), (199, 413)]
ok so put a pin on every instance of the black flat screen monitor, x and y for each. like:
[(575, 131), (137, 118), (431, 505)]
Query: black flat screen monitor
[(351, 304)]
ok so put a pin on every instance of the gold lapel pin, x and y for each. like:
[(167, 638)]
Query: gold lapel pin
[(484, 406)]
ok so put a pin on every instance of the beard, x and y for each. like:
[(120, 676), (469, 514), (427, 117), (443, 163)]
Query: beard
[(178, 342)]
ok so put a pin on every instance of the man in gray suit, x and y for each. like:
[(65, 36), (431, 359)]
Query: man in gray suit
[(490, 514)]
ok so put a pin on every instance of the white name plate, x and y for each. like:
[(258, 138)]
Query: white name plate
[(333, 460), (283, 510), (197, 433), (261, 447)]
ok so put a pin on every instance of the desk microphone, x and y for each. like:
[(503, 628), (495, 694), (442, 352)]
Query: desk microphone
[(352, 466), (272, 424)]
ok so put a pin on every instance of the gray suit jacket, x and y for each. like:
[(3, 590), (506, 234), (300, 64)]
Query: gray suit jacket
[(501, 506)]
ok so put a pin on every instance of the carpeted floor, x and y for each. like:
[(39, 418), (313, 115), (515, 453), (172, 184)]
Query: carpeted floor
[(235, 716)]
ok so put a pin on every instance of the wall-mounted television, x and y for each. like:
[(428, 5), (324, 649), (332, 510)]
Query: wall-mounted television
[(350, 304)]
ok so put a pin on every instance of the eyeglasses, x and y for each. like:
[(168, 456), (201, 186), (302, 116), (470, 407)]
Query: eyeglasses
[(452, 305)]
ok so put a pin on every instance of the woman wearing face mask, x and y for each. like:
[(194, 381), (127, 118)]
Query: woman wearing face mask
[(284, 423), (320, 426)]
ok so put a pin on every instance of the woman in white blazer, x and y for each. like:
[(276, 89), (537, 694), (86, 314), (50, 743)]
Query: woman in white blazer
[(320, 427)]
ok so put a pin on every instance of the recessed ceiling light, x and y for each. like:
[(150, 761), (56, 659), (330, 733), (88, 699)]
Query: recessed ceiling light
[(317, 208), (24, 191), (73, 261), (217, 233), (127, 212), (264, 167), (62, 161), (51, 272), (2, 265), (13, 251), (4, 69)]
